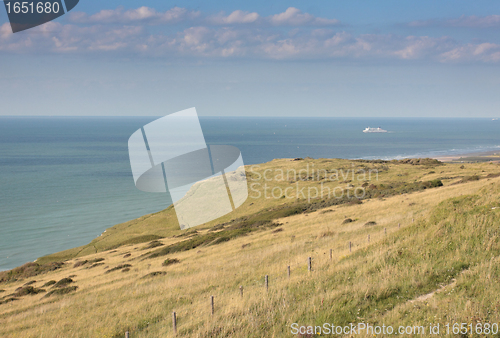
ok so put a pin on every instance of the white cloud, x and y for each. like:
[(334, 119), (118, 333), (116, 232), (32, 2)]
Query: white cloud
[(238, 35), (236, 17), (419, 47), (294, 17), (144, 15), (485, 52), (472, 21)]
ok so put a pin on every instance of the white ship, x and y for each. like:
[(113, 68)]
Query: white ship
[(374, 130)]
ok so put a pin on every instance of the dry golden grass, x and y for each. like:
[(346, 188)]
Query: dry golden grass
[(379, 281)]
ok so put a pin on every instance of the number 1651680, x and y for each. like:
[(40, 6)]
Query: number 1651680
[(26, 7)]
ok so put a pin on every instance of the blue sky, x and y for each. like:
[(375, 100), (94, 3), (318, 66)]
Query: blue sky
[(241, 58)]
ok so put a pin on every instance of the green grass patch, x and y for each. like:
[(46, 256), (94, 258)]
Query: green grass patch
[(28, 270), (62, 291)]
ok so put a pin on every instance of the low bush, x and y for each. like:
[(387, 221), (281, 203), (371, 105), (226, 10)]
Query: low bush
[(170, 261), (119, 267), (63, 282), (61, 291)]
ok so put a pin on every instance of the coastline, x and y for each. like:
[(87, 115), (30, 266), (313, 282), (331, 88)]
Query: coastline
[(485, 156), (466, 157)]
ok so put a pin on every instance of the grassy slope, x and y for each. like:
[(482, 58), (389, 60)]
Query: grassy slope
[(448, 237), (164, 223)]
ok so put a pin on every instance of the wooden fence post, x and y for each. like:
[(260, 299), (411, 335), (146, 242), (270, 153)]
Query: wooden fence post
[(331, 254), (309, 264), (266, 279), (174, 322), (241, 290), (212, 304), (288, 268), (350, 246), (126, 335)]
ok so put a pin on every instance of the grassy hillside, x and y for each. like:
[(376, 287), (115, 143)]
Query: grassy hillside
[(421, 253), (390, 178)]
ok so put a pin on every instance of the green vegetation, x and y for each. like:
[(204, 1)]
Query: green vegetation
[(154, 274), (170, 261), (63, 282), (28, 270), (119, 267), (61, 291), (27, 290)]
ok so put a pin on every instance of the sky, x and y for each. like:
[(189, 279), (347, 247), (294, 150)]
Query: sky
[(333, 58)]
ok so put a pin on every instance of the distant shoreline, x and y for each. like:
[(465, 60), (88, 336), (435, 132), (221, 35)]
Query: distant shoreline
[(485, 156)]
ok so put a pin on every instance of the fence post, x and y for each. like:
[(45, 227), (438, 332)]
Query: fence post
[(241, 290), (174, 322), (368, 238), (385, 231), (350, 246), (288, 268), (331, 254), (399, 225), (267, 282), (212, 304), (126, 335), (309, 265)]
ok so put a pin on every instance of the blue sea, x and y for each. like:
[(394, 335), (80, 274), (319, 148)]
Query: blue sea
[(64, 180)]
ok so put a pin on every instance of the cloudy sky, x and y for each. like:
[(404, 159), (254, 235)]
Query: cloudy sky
[(252, 58)]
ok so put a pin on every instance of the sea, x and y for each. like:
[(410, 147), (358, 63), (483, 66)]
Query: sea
[(65, 180)]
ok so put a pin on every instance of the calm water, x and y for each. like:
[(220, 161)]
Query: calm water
[(63, 181)]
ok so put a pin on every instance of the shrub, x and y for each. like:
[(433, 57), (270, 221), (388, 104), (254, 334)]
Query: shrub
[(470, 178), (96, 260), (170, 261), (154, 274), (30, 269), (152, 245), (63, 282), (119, 267), (27, 290), (436, 183), (7, 300), (61, 291), (95, 265), (49, 283), (80, 263)]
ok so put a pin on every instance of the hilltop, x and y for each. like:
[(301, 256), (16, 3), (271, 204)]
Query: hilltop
[(412, 242)]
